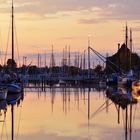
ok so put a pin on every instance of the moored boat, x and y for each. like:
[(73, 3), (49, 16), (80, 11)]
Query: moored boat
[(12, 82), (112, 80), (10, 88), (120, 96), (62, 83)]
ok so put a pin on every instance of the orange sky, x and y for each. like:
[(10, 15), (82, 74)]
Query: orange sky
[(41, 24)]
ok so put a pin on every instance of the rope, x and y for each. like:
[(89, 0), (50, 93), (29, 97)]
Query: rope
[(102, 58), (8, 44)]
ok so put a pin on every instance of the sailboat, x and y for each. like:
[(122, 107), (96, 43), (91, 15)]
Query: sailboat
[(12, 87), (128, 78)]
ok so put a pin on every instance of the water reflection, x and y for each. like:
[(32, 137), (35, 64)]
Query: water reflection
[(3, 109), (79, 113), (11, 101), (120, 97), (123, 99)]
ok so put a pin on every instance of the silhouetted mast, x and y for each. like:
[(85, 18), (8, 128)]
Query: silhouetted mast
[(88, 58), (12, 35), (130, 40), (130, 48), (81, 62), (45, 60), (69, 57), (52, 61), (84, 61), (75, 60), (38, 60), (126, 36), (126, 42), (65, 55), (69, 61), (119, 57), (78, 60), (62, 63)]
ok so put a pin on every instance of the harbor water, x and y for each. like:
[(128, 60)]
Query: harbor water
[(67, 113)]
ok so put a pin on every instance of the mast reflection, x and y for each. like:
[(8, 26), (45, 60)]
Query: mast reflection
[(82, 100), (13, 100), (123, 100)]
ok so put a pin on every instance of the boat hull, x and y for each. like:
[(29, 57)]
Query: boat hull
[(12, 88)]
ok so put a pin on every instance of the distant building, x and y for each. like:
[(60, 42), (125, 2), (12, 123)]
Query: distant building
[(123, 60)]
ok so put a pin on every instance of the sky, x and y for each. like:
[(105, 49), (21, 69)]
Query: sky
[(41, 23)]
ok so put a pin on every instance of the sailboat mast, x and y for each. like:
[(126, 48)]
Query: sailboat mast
[(126, 35), (126, 52), (130, 48), (88, 58), (12, 35)]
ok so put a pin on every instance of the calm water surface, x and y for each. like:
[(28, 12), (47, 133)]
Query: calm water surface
[(70, 114)]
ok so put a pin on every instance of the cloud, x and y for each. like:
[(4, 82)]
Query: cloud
[(91, 21), (126, 9)]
